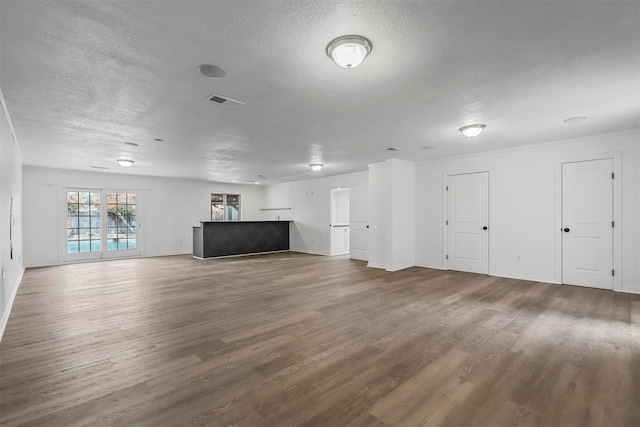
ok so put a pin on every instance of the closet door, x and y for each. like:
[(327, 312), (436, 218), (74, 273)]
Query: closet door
[(468, 222)]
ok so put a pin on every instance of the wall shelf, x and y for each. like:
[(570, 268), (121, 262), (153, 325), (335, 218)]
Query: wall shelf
[(275, 209)]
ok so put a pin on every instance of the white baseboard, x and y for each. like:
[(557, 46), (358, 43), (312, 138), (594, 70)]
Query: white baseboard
[(433, 267), (5, 316), (529, 279)]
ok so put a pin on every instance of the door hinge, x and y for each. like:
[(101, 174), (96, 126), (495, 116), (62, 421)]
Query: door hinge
[(446, 257), (613, 272), (612, 175), (446, 188), (446, 222), (613, 224)]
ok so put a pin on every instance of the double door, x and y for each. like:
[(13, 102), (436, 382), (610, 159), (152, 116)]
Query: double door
[(100, 224)]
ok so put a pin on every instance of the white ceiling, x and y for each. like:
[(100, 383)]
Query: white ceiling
[(81, 78)]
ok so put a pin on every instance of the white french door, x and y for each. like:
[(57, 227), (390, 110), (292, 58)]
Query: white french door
[(587, 223), (100, 224), (468, 222)]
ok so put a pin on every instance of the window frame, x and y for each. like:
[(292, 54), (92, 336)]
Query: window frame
[(226, 206)]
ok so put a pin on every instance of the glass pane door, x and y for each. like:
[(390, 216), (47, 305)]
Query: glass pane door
[(122, 224), (233, 207), (83, 225), (217, 207), (100, 224)]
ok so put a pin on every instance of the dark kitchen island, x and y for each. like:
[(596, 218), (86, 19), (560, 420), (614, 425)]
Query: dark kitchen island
[(216, 239)]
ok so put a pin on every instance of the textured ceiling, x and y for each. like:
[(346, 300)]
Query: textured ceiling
[(81, 78)]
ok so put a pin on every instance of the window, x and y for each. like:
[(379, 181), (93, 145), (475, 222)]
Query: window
[(225, 207)]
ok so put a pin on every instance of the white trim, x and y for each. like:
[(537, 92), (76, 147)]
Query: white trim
[(528, 279), (376, 266), (398, 269), (432, 267), (527, 147), (10, 124), (616, 156), (240, 255), (5, 316)]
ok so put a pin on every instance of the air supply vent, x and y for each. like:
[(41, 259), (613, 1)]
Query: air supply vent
[(222, 100)]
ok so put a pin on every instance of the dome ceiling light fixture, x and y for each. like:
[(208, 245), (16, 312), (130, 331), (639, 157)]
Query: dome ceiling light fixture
[(316, 166), (472, 130), (211, 71), (575, 119), (125, 163), (349, 51)]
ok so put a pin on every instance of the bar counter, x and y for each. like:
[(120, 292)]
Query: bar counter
[(217, 239)]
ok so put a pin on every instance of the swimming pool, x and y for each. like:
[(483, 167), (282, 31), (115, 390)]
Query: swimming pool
[(95, 245)]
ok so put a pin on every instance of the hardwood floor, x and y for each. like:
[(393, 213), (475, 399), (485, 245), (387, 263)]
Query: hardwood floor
[(300, 340)]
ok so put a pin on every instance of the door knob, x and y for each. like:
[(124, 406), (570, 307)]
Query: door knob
[(485, 228), (566, 230)]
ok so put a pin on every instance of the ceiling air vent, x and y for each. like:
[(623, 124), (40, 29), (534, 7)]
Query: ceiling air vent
[(228, 102)]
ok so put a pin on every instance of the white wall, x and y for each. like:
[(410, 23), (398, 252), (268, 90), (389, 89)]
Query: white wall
[(522, 191), (169, 207), (402, 215), (10, 186), (310, 209), (379, 214), (392, 214)]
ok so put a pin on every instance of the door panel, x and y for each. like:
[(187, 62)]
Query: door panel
[(587, 214), (358, 243), (468, 215), (122, 225), (340, 207), (83, 235), (340, 240)]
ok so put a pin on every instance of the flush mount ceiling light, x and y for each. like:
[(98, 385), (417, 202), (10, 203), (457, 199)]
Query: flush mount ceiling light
[(211, 71), (349, 51), (316, 166), (472, 130), (125, 163), (575, 119)]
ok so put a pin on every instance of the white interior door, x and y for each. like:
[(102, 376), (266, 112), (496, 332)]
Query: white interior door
[(358, 226), (468, 222), (340, 240), (587, 227), (340, 206)]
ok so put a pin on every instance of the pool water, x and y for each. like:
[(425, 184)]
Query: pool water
[(95, 245)]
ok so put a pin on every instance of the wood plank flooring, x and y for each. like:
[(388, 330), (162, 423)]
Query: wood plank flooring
[(292, 339)]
